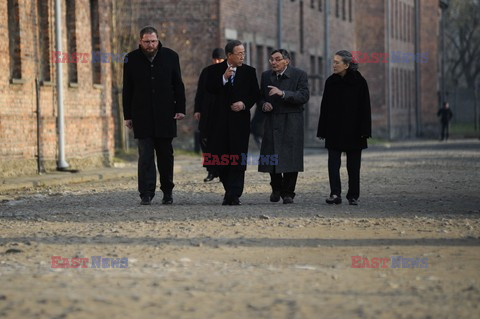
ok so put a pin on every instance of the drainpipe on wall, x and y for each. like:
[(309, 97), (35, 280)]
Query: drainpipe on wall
[(327, 70), (61, 162), (388, 71), (279, 24), (40, 168), (443, 7), (418, 106)]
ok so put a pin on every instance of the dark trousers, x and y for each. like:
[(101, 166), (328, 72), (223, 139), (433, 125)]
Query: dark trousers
[(233, 180), (212, 169), (147, 177), (444, 131), (284, 183), (353, 169)]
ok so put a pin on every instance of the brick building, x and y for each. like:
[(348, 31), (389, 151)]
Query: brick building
[(406, 90), (404, 94), (28, 117), (193, 28)]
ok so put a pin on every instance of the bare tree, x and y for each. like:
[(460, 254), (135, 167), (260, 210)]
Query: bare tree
[(463, 42)]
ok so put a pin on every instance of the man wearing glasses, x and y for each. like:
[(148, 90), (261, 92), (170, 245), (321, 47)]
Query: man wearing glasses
[(284, 91), (235, 87), (153, 101)]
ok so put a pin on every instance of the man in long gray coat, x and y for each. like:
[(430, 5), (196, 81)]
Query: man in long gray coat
[(284, 91)]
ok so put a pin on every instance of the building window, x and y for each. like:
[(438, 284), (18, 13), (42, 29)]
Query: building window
[(269, 52), (260, 60), (397, 19), (412, 22), (96, 48), (395, 87), (44, 40), (337, 8), (402, 89), (344, 8), (350, 19), (313, 75), (320, 75), (407, 23), (312, 4), (301, 27), (292, 58), (392, 21), (71, 40), (320, 5), (402, 21), (14, 39)]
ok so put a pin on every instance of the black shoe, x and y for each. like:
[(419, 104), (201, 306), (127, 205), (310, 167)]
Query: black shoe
[(167, 199), (287, 200), (146, 200), (209, 178), (334, 199), (353, 201), (275, 196), (235, 202)]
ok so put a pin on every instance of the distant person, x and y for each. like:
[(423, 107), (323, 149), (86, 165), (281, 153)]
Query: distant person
[(283, 94), (445, 115), (235, 87), (203, 103), (345, 123), (153, 101)]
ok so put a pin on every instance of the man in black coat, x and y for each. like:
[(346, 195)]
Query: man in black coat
[(284, 92), (153, 100), (445, 115), (235, 87), (203, 103), (345, 123)]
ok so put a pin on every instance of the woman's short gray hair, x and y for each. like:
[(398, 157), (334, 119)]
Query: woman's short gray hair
[(347, 58)]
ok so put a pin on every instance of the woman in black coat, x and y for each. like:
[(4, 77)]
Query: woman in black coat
[(345, 124)]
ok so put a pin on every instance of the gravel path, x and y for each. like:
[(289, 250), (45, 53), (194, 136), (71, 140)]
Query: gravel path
[(198, 259)]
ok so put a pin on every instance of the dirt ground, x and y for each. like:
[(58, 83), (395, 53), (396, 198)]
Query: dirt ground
[(198, 259)]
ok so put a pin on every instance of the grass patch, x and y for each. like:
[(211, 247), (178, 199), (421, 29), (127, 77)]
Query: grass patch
[(463, 130)]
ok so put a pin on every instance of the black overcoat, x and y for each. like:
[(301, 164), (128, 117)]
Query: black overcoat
[(230, 131), (345, 115), (203, 103), (153, 92)]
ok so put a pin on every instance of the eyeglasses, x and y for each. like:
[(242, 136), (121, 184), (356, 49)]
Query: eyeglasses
[(275, 60), (150, 41), (240, 54)]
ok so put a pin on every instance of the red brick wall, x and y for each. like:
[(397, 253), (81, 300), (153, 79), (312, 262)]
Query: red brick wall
[(189, 27), (88, 109), (371, 33)]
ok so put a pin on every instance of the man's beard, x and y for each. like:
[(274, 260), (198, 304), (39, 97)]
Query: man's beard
[(149, 54)]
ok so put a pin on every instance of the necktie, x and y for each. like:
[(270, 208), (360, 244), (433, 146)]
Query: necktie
[(232, 77)]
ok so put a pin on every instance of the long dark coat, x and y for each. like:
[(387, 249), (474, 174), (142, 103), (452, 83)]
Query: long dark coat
[(203, 103), (345, 116), (284, 127), (153, 92), (230, 131)]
